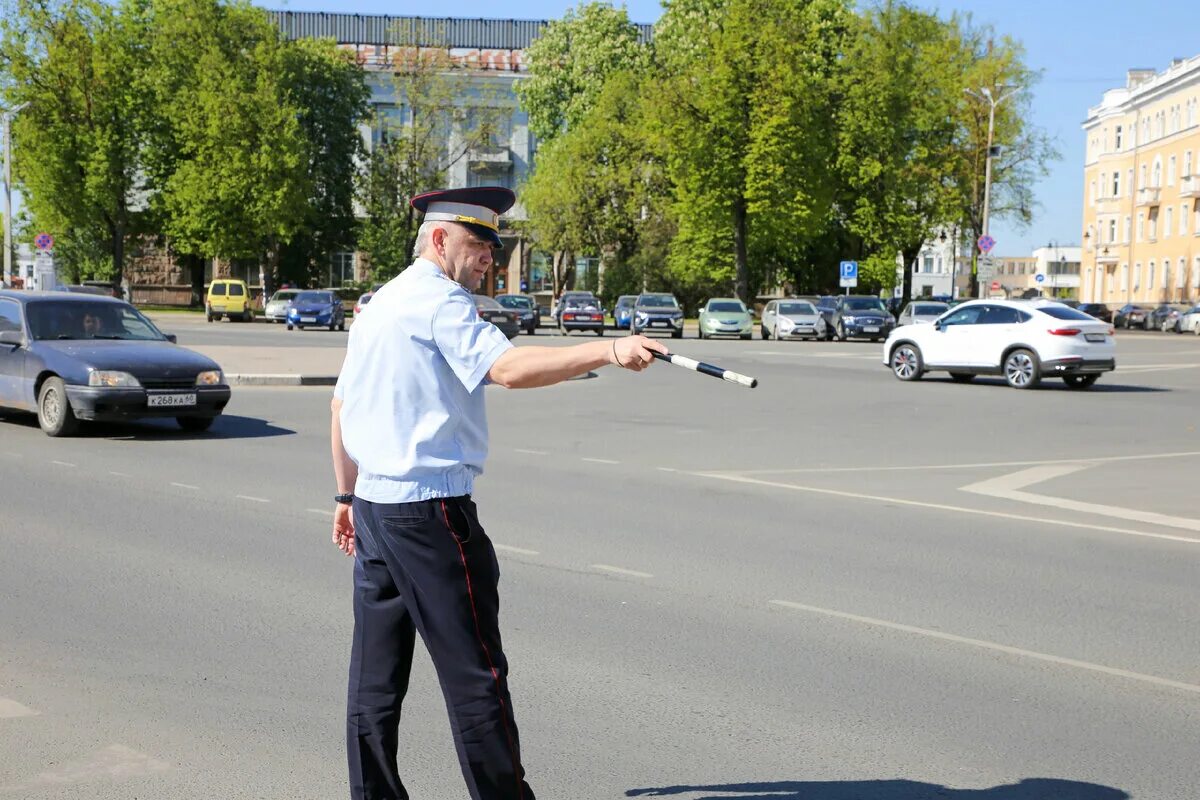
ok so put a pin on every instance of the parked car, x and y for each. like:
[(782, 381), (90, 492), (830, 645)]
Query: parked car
[(1190, 321), (623, 311), (658, 312), (1021, 341), (827, 305), (363, 299), (1165, 317), (574, 294), (1098, 310), (581, 313), (525, 307), (229, 298), (348, 296), (98, 291), (71, 357), (1130, 316), (791, 319), (506, 320), (723, 316), (857, 315), (276, 309), (316, 308), (921, 311)]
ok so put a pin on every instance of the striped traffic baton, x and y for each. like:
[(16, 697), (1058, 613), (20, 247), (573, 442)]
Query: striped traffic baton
[(708, 369)]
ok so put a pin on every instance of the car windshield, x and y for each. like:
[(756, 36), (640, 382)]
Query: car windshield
[(863, 304), (799, 309), (581, 302), (726, 307), (366, 298), (625, 302), (657, 301), (1064, 312), (514, 301), (928, 309), (483, 301), (283, 295), (57, 320), (314, 297)]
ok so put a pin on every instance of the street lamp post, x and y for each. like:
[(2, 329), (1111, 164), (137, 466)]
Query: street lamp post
[(7, 117), (986, 94)]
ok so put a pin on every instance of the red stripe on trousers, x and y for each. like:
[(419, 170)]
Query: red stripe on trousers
[(479, 635)]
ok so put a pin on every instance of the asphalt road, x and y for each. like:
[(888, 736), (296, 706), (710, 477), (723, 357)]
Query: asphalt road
[(835, 586)]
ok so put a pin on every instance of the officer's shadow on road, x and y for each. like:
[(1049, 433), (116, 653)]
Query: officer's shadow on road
[(1027, 789), (226, 426)]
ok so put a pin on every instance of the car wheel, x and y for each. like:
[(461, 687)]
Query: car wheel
[(600, 332), (762, 332), (208, 315), (54, 412), (678, 334), (342, 325), (1021, 369), (962, 377), (289, 326), (195, 424), (745, 337), (1147, 324), (1080, 381), (840, 334), (906, 362)]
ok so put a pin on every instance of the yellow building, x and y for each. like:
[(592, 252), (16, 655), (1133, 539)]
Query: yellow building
[(1141, 217)]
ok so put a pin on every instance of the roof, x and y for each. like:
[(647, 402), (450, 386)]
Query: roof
[(24, 296)]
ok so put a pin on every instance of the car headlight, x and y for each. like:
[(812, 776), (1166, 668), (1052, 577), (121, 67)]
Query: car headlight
[(640, 315), (211, 377), (849, 319), (786, 324), (111, 379)]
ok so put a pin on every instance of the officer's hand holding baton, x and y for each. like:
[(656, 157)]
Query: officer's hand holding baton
[(635, 352)]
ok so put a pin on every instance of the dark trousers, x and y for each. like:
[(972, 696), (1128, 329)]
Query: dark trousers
[(429, 568)]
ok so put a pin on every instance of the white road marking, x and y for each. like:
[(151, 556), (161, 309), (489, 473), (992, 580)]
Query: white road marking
[(943, 507), (320, 511), (977, 465), (64, 463), (119, 474), (11, 709), (252, 499), (508, 548), (1157, 368), (666, 469), (114, 762), (1008, 487), (185, 486), (632, 573), (600, 460), (531, 452), (994, 646)]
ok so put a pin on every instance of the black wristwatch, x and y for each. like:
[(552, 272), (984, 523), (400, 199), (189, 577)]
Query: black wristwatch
[(343, 499)]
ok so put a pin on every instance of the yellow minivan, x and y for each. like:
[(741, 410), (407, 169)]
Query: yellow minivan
[(230, 298)]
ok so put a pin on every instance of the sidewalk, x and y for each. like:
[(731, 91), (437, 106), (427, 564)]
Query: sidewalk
[(276, 366)]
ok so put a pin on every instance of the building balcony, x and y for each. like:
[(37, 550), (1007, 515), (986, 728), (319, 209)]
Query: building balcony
[(489, 157), (1107, 255), (1105, 203), (1190, 186), (1149, 197)]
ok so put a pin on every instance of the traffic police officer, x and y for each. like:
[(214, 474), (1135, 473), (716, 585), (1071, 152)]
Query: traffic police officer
[(409, 436)]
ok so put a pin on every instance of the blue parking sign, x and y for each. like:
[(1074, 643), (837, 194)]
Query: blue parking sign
[(849, 273)]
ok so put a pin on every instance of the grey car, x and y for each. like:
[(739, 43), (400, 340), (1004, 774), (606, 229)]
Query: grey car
[(657, 312), (508, 321), (791, 319), (277, 306), (921, 311), (856, 315)]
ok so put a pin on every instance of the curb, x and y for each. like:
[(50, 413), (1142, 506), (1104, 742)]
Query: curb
[(280, 380)]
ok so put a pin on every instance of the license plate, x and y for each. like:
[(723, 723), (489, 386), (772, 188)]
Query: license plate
[(659, 323), (1094, 337), (308, 319), (871, 329), (170, 400)]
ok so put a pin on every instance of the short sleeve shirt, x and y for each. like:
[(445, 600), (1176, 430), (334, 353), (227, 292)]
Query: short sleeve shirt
[(412, 389)]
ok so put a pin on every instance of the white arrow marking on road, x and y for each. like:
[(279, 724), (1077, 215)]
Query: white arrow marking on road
[(1000, 648), (1007, 487), (11, 709)]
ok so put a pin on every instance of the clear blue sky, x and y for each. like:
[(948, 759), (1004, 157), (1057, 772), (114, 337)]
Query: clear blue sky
[(1081, 47)]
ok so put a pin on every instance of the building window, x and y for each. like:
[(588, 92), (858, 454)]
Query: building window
[(1137, 277), (1128, 229), (1153, 224), (1142, 178), (927, 264), (1125, 277), (1117, 141), (1141, 227), (1116, 184), (1167, 223), (1196, 274), (1150, 276), (1093, 193), (1187, 163), (1156, 175), (1112, 230), (1181, 276), (1183, 215), (341, 268), (1171, 171)]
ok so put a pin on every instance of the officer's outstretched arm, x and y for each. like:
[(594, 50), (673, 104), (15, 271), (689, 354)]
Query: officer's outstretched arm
[(531, 367)]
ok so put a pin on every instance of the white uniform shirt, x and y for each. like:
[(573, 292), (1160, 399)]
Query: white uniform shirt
[(412, 384)]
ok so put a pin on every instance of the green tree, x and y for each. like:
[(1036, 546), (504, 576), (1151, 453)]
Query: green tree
[(76, 63), (896, 136), (570, 61), (439, 120), (744, 113)]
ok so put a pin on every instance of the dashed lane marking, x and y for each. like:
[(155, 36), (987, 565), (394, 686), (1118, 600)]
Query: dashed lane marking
[(521, 551), (600, 460), (632, 573), (902, 501), (186, 486), (994, 646), (64, 463), (252, 499), (531, 452), (11, 709), (666, 469), (320, 511), (119, 474)]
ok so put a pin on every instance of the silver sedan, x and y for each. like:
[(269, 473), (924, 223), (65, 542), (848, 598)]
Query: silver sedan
[(921, 311), (792, 319), (277, 307)]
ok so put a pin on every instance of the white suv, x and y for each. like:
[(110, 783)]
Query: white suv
[(1022, 341)]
